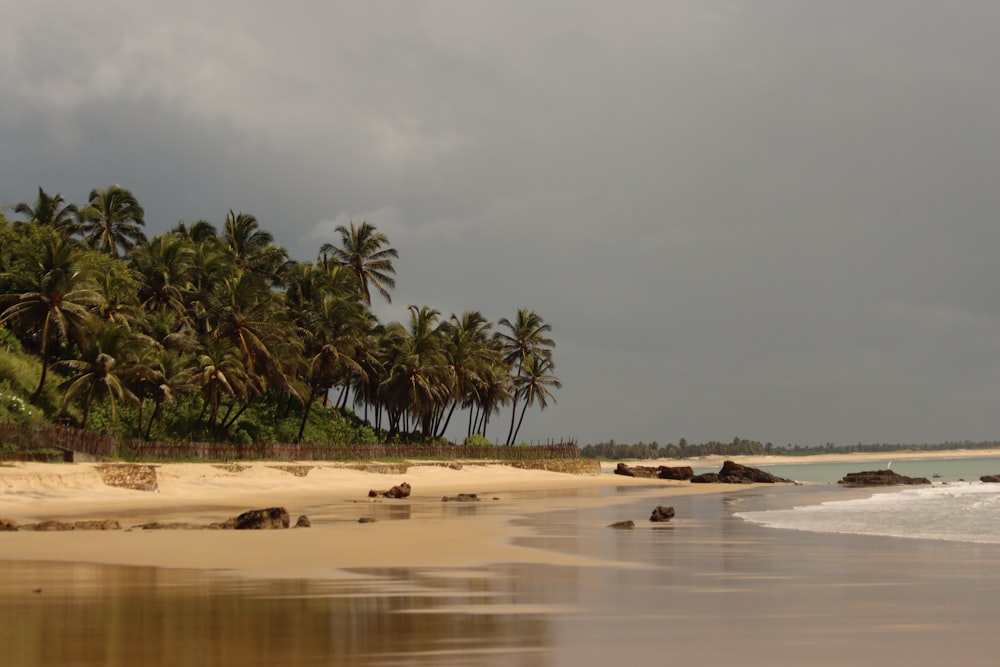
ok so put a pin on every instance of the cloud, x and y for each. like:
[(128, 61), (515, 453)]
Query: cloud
[(773, 221)]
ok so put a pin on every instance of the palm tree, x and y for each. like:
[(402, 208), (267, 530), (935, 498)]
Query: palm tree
[(361, 249), (252, 247), (48, 210), (198, 231), (418, 379), (109, 363), (168, 378), (490, 395), (331, 327), (219, 372), (113, 218), (52, 304), (118, 302), (164, 268), (211, 266), (532, 385), (469, 353), (526, 338), (246, 313)]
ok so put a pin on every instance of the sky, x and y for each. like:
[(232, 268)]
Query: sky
[(767, 219)]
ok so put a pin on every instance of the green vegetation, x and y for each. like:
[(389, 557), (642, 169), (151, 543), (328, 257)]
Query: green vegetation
[(219, 336)]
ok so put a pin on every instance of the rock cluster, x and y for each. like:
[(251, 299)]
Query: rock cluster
[(735, 473), (51, 526), (879, 478), (399, 491), (462, 498), (990, 479), (264, 519), (259, 519), (658, 472), (662, 514)]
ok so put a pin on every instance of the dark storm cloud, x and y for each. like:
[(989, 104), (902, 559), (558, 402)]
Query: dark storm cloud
[(766, 219)]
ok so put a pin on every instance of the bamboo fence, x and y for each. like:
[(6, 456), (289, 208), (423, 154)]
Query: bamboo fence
[(103, 446)]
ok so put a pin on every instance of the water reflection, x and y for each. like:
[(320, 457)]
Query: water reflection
[(709, 585), (101, 615)]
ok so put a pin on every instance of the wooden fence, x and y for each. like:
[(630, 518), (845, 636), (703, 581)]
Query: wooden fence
[(104, 446)]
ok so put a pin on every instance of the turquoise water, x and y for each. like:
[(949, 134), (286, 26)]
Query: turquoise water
[(955, 507), (937, 470)]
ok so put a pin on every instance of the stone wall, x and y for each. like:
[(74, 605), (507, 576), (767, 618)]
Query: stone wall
[(590, 467), (129, 476)]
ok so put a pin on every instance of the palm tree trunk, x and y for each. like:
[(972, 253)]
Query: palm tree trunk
[(239, 413), (152, 418), (45, 360), (513, 416), (447, 421), (305, 414), (518, 429)]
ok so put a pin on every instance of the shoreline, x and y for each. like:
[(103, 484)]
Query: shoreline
[(417, 532), (421, 531), (839, 457)]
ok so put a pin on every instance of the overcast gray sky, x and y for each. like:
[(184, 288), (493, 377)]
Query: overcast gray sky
[(772, 219)]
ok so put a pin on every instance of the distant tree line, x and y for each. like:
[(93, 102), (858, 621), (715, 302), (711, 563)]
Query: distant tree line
[(616, 451)]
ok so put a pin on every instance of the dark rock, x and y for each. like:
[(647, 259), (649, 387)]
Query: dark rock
[(662, 513), (990, 479), (400, 491), (48, 526), (366, 519), (623, 525), (98, 524), (156, 525), (635, 471), (462, 498), (675, 472), (659, 472), (879, 478), (303, 522), (262, 519), (735, 473), (8, 525)]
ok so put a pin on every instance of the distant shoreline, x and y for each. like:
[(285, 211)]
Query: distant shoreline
[(845, 457)]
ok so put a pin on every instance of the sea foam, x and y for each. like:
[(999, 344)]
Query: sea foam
[(959, 512)]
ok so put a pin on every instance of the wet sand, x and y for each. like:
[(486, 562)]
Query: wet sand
[(707, 589)]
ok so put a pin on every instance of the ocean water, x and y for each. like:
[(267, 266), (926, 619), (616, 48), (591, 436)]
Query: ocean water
[(956, 507), (938, 470)]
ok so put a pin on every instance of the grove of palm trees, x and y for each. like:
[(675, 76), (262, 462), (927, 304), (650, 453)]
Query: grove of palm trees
[(215, 334)]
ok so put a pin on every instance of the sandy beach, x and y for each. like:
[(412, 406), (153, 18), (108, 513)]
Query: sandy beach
[(435, 533), (530, 575)]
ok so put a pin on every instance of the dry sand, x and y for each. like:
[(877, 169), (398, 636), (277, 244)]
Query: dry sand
[(421, 531), (433, 534)]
